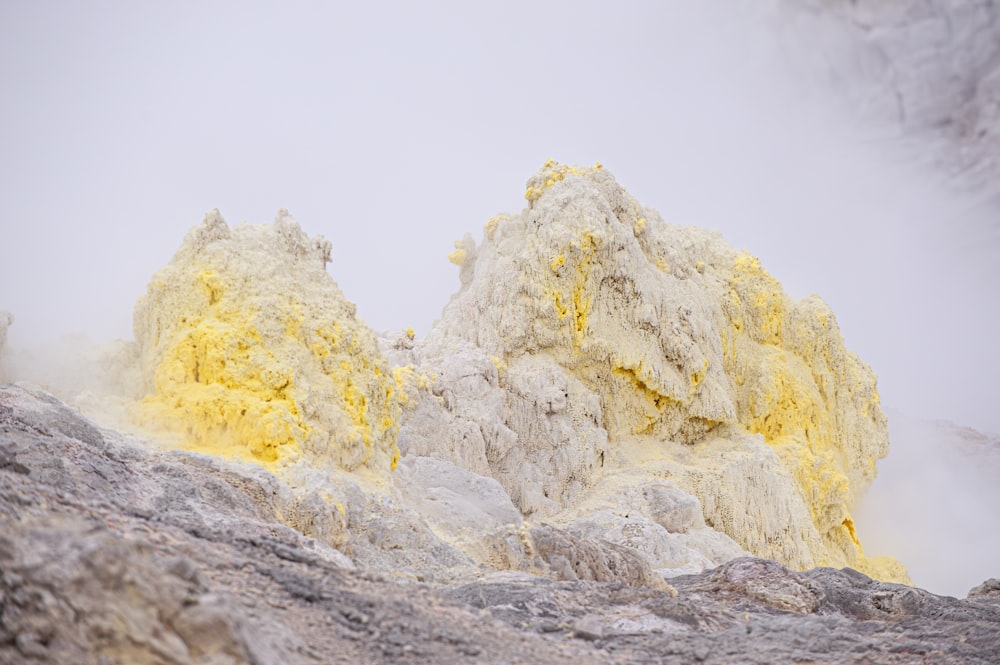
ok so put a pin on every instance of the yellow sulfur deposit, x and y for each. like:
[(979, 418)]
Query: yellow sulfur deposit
[(813, 402), (492, 223), (250, 351), (663, 334), (408, 381), (457, 255), (551, 173)]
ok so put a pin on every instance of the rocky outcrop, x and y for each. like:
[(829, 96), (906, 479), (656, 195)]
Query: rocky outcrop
[(112, 553), (594, 337), (249, 350), (593, 357)]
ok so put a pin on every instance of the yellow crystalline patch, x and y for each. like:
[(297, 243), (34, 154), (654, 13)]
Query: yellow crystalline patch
[(560, 307), (293, 321), (783, 403), (354, 400), (361, 389), (553, 172), (698, 376), (581, 298), (498, 363), (792, 417), (752, 283), (213, 285), (640, 225), (219, 383), (232, 392), (408, 380), (652, 401), (848, 524), (492, 223), (558, 262), (791, 404), (458, 255)]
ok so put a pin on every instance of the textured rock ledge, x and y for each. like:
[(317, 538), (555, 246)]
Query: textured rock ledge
[(112, 553)]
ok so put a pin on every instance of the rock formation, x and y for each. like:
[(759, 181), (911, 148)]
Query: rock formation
[(615, 340), (622, 380), (249, 350), (111, 552), (621, 443)]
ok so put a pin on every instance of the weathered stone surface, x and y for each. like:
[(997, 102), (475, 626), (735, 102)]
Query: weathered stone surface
[(607, 339), (575, 558), (249, 350), (750, 611), (110, 553)]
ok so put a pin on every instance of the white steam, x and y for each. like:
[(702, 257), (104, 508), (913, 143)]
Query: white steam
[(935, 505)]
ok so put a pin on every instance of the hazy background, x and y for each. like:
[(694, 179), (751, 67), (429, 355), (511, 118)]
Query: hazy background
[(935, 505), (394, 128)]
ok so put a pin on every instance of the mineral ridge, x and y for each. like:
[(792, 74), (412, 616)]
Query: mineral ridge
[(249, 349), (594, 361), (623, 343)]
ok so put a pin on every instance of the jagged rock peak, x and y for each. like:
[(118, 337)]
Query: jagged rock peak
[(609, 326), (250, 350)]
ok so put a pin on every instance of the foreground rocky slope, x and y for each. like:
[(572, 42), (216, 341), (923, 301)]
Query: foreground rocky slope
[(112, 553)]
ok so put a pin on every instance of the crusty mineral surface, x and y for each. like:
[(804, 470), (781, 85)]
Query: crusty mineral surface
[(110, 553), (592, 357), (608, 342), (249, 350)]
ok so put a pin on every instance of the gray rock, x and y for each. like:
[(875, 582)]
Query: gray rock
[(571, 557), (988, 590), (110, 553), (674, 510)]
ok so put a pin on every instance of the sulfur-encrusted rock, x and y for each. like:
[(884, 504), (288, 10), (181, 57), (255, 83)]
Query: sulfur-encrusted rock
[(110, 551), (249, 350), (612, 331)]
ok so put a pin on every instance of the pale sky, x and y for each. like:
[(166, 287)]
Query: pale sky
[(394, 128)]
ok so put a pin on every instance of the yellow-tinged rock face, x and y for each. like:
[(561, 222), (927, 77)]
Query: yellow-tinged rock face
[(250, 351), (811, 399), (681, 338)]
